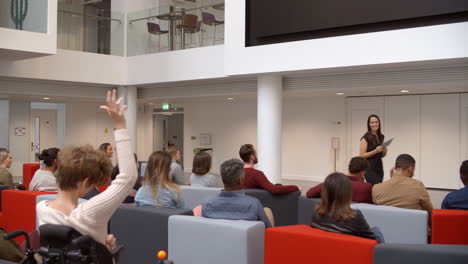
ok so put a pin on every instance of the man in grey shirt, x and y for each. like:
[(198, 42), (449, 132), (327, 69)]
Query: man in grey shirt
[(177, 173), (232, 203)]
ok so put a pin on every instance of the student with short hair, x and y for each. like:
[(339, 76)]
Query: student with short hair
[(44, 179), (80, 169), (256, 179), (157, 188), (458, 199), (401, 190), (201, 168), (177, 173), (232, 203), (334, 213), (362, 191)]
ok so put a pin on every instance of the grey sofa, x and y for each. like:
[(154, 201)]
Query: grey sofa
[(283, 206), (213, 241), (306, 209), (420, 254), (142, 231), (397, 225)]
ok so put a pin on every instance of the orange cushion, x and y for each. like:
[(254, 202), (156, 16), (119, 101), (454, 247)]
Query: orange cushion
[(19, 210), (449, 227), (28, 172), (104, 187), (304, 244)]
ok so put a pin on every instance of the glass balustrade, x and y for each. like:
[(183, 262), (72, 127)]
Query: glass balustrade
[(175, 26), (24, 15), (89, 28)]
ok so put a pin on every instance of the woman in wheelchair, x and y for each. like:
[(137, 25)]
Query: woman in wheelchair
[(82, 168)]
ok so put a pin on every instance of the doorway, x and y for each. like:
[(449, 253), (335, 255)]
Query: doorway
[(169, 130)]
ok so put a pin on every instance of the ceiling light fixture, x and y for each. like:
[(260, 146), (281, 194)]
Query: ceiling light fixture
[(46, 98), (404, 91), (339, 93), (230, 98)]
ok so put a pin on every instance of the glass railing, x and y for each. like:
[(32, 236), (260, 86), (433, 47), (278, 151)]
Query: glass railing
[(175, 27), (90, 31), (24, 15)]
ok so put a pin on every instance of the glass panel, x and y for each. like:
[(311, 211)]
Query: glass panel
[(178, 25), (89, 28), (27, 15)]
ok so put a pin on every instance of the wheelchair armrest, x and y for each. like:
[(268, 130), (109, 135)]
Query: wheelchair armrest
[(117, 252)]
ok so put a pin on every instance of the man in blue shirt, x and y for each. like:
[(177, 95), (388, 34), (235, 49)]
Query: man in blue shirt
[(232, 203), (458, 199)]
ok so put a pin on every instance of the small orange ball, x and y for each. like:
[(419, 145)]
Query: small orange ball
[(162, 254)]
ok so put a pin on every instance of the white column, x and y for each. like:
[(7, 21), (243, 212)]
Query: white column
[(269, 125), (129, 93)]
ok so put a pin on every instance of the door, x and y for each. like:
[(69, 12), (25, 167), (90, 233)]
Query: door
[(43, 132)]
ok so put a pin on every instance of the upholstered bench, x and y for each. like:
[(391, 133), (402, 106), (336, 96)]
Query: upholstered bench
[(397, 225), (143, 231), (213, 241)]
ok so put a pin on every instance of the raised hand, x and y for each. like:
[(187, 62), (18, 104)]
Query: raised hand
[(114, 109)]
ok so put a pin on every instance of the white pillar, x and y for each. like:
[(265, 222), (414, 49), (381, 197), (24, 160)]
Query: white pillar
[(129, 93), (269, 126)]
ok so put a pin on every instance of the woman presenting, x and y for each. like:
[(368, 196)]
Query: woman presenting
[(371, 149)]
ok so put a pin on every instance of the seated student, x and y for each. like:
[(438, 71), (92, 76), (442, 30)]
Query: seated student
[(201, 168), (44, 179), (131, 196), (362, 191), (232, 203), (401, 190), (5, 163), (177, 173), (334, 213), (255, 179), (79, 169), (458, 199), (157, 188)]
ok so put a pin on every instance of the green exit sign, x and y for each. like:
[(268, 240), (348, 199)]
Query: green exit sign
[(165, 106)]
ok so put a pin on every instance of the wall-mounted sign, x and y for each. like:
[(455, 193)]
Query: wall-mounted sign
[(20, 131), (205, 139)]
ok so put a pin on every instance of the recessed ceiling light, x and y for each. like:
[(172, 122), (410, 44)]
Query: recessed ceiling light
[(46, 98), (230, 98), (339, 93), (404, 91)]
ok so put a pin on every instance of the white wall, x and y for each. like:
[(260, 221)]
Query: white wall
[(4, 119), (415, 44), (230, 124), (189, 64), (308, 126), (68, 65), (19, 146)]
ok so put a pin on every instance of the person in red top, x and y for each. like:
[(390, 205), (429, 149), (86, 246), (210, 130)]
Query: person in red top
[(362, 191), (255, 179)]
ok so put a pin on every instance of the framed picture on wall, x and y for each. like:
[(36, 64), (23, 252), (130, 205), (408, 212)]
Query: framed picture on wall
[(205, 139)]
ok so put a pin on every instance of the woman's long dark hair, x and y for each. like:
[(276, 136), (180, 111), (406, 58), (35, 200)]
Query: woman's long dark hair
[(336, 198), (369, 135)]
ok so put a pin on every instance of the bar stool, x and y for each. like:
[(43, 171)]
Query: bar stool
[(155, 29), (210, 20), (188, 25)]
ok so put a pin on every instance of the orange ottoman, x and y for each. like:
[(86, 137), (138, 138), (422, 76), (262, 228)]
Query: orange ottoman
[(304, 244), (19, 210), (28, 172), (449, 227)]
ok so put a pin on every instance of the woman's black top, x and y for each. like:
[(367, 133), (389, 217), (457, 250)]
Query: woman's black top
[(374, 174), (356, 226)]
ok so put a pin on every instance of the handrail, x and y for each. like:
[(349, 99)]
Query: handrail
[(174, 12), (97, 17)]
